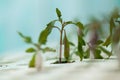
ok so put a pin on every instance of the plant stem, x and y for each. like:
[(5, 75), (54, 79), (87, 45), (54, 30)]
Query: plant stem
[(60, 55), (61, 35)]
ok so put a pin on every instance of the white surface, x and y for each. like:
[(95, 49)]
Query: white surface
[(85, 70)]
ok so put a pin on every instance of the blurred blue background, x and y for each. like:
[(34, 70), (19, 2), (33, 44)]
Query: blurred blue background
[(31, 16)]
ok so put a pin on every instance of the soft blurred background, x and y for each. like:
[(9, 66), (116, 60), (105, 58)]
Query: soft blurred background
[(31, 16)]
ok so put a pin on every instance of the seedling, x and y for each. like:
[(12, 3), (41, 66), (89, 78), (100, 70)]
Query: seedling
[(36, 49), (116, 34), (63, 36), (95, 44), (114, 16), (114, 30)]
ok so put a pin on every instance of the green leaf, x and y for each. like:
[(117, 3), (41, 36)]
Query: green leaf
[(47, 49), (80, 25), (87, 53), (66, 48), (86, 30), (71, 43), (108, 41), (43, 37), (99, 42), (116, 36), (97, 54), (81, 40), (80, 54), (32, 61), (115, 13), (27, 39), (68, 22), (58, 13), (60, 19), (51, 24), (112, 25), (80, 49), (45, 33), (105, 51), (21, 34), (30, 50), (80, 28)]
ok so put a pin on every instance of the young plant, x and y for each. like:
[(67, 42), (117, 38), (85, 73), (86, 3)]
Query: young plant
[(115, 42), (113, 37), (95, 44), (63, 36), (36, 49), (116, 37), (114, 16)]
